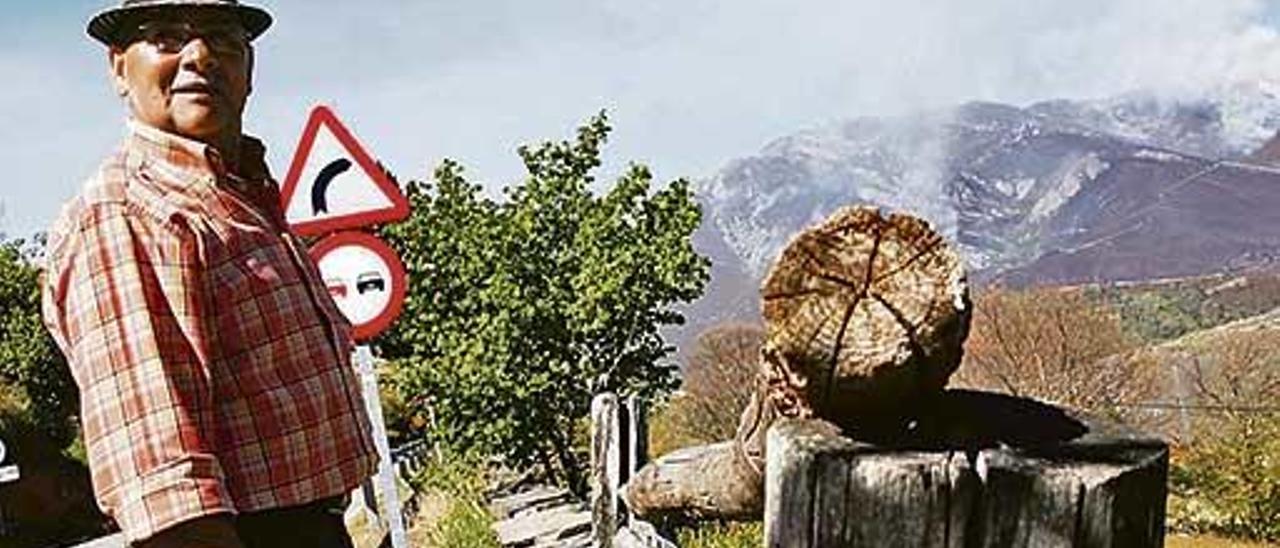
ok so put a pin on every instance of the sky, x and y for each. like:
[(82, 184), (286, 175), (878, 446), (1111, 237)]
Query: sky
[(688, 84)]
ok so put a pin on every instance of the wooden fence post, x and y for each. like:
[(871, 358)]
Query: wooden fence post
[(605, 470), (637, 442)]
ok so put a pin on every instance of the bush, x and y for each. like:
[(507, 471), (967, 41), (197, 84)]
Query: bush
[(29, 359), (1230, 484), (466, 524), (719, 378), (453, 513), (722, 535), (1056, 345)]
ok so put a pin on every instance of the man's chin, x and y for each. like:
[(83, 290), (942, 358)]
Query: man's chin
[(204, 129)]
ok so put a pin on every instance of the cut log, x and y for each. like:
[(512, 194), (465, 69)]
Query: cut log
[(865, 314), (722, 480), (976, 470)]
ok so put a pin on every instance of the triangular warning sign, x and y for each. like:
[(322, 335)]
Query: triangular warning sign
[(333, 184)]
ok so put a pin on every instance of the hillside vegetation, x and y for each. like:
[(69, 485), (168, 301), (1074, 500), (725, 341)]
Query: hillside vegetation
[(1197, 361)]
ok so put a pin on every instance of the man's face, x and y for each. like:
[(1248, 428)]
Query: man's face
[(187, 76)]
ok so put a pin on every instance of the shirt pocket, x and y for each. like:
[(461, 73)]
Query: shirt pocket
[(262, 302)]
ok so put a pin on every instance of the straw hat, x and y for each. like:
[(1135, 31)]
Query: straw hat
[(105, 27)]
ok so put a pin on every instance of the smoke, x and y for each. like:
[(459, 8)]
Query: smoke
[(689, 84), (693, 83)]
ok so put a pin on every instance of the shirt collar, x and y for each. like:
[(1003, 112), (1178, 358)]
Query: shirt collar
[(190, 154)]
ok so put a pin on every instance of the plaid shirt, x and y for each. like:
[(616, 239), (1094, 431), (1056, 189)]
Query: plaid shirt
[(212, 364)]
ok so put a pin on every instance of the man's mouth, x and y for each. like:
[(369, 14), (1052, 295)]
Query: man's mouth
[(197, 88)]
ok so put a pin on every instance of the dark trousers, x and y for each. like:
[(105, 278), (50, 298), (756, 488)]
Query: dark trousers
[(315, 525)]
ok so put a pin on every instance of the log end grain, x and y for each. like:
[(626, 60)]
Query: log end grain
[(865, 313)]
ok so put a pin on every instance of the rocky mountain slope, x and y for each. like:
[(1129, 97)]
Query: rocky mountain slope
[(1058, 192)]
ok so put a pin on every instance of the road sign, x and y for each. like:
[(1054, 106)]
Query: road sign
[(333, 184), (365, 278)]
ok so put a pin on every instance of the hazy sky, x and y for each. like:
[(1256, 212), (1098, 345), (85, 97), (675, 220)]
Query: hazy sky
[(690, 84)]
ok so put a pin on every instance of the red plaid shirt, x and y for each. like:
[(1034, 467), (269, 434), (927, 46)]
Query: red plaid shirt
[(212, 364)]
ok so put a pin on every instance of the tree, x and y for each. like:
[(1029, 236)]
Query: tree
[(518, 311), (1226, 478), (1053, 344), (29, 359), (719, 378)]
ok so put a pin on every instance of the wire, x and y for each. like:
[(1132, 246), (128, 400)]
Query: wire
[(1198, 406)]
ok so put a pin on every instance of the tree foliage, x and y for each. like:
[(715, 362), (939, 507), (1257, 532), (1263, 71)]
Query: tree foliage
[(519, 310), (1225, 477), (719, 380), (1053, 344), (29, 359)]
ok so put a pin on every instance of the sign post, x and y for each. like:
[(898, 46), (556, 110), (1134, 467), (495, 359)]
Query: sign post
[(321, 195), (7, 473), (386, 469)]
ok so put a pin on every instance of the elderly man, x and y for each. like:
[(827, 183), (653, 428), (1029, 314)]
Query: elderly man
[(218, 405)]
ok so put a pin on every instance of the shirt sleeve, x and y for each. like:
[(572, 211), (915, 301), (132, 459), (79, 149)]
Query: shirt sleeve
[(124, 299)]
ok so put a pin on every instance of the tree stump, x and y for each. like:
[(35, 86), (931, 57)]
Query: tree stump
[(865, 314), (974, 469)]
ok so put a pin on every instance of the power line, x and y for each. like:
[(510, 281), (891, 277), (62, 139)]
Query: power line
[(1202, 407)]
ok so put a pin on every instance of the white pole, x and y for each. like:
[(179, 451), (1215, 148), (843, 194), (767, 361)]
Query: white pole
[(386, 469)]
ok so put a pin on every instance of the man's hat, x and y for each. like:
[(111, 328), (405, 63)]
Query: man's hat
[(106, 26)]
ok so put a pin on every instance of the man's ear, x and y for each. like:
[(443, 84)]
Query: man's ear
[(248, 65), (115, 59)]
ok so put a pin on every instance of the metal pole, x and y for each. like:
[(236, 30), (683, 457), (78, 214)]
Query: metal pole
[(386, 469)]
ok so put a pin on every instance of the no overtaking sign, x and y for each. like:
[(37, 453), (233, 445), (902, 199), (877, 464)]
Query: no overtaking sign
[(324, 193)]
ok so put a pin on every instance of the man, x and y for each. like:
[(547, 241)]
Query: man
[(218, 405)]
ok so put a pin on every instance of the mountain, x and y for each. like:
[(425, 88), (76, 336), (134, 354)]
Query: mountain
[(1128, 188), (1268, 154)]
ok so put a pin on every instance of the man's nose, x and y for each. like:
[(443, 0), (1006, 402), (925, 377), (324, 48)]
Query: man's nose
[(197, 54)]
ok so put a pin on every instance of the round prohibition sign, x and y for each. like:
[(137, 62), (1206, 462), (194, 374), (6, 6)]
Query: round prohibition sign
[(365, 278)]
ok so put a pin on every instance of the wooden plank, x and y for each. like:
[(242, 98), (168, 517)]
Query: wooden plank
[(831, 489), (791, 474), (641, 535), (1026, 502), (637, 435), (964, 488), (900, 498), (1118, 510)]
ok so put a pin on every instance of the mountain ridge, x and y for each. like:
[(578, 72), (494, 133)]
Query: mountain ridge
[(1057, 192)]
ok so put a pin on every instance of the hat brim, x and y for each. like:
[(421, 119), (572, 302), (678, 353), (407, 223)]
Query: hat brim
[(106, 26)]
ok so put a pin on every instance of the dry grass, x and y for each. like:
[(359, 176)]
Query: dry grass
[(365, 529), (433, 507), (1183, 541)]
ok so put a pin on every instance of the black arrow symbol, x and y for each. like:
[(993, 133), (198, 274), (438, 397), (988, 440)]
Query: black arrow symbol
[(318, 202)]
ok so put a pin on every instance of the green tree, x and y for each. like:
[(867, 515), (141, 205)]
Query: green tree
[(519, 311), (46, 400)]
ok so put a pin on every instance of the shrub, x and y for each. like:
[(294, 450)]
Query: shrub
[(1055, 345), (1230, 484), (722, 535), (719, 377), (453, 512), (465, 524), (29, 359)]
